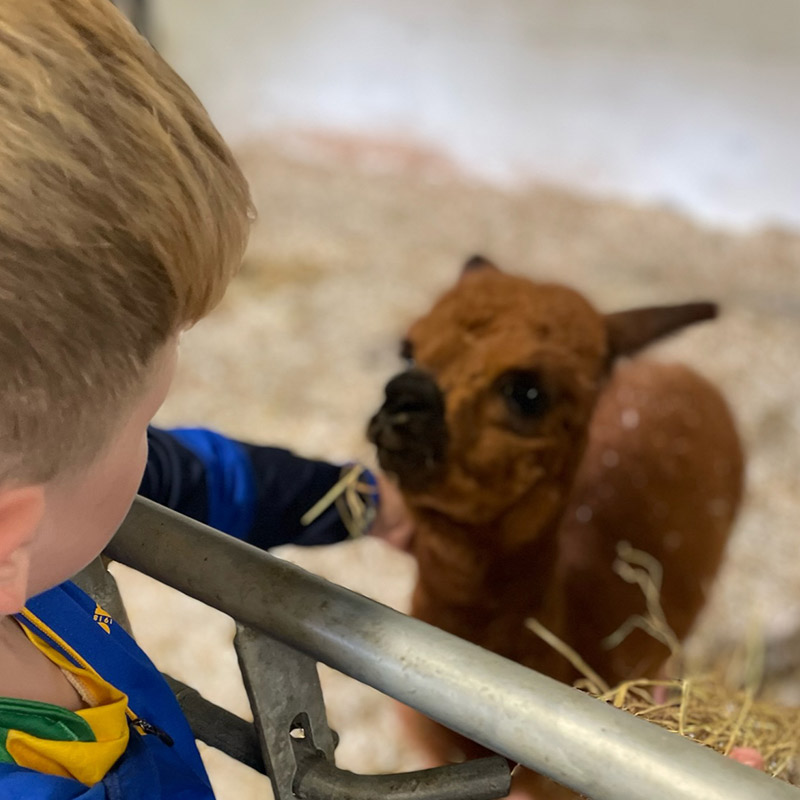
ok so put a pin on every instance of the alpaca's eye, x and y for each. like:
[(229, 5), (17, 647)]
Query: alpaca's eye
[(407, 352), (524, 393)]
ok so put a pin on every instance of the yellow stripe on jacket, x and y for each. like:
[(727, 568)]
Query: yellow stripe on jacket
[(87, 762)]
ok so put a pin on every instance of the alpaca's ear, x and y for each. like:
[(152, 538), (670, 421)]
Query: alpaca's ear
[(477, 262), (629, 331)]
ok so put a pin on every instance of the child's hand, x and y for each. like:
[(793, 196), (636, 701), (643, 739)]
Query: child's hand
[(392, 523)]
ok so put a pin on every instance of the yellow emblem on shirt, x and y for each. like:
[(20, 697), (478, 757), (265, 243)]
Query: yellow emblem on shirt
[(103, 618)]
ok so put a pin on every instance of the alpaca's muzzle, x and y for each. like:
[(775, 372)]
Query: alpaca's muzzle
[(410, 431)]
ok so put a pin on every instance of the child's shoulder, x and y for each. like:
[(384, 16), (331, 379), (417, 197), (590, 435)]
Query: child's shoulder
[(70, 622)]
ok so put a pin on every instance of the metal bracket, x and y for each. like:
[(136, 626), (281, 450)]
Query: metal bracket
[(480, 779), (297, 745), (286, 699)]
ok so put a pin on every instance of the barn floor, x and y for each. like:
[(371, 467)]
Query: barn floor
[(343, 257)]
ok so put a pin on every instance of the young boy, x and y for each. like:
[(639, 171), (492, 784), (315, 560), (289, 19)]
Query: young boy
[(122, 218)]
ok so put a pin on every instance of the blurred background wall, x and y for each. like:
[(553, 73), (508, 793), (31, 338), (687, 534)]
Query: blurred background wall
[(691, 103)]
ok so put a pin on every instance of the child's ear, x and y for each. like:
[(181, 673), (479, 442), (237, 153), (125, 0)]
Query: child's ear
[(21, 510)]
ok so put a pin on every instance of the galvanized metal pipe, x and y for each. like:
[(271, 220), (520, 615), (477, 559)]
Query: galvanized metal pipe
[(578, 741)]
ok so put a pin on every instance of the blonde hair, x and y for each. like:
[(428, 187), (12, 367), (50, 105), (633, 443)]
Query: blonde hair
[(123, 216)]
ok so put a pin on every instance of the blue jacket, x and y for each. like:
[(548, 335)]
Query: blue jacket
[(149, 768), (254, 493)]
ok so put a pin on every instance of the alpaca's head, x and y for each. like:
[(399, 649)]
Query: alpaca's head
[(502, 381)]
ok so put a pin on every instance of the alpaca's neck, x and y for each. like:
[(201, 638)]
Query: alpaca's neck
[(471, 586)]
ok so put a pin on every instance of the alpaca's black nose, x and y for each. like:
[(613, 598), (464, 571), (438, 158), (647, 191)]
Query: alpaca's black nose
[(409, 430), (413, 392)]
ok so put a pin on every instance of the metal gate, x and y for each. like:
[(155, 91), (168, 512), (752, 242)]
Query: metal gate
[(288, 619)]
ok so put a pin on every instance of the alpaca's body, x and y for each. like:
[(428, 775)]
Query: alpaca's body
[(520, 505)]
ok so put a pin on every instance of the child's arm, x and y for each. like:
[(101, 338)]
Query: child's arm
[(256, 493)]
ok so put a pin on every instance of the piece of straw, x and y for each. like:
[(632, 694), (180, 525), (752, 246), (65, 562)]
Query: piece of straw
[(355, 500), (562, 647)]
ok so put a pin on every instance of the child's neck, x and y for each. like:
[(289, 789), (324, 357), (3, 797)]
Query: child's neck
[(26, 673)]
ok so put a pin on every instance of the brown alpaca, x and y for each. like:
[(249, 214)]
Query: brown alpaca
[(527, 446)]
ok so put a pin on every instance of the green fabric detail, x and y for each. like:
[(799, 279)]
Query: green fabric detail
[(43, 720)]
